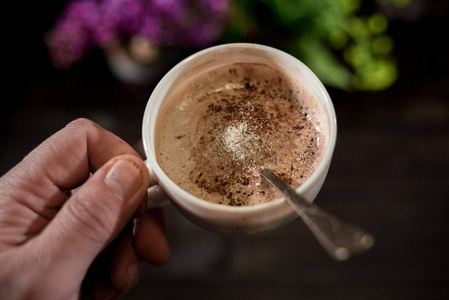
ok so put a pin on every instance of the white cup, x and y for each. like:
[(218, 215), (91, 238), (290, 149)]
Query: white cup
[(241, 220)]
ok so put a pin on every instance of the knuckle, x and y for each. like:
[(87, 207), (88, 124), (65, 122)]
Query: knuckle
[(81, 122), (83, 125), (82, 128)]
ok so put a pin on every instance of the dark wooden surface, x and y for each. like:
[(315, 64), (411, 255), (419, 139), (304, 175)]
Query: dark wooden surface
[(390, 174)]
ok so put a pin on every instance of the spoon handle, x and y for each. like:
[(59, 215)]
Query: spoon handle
[(340, 239)]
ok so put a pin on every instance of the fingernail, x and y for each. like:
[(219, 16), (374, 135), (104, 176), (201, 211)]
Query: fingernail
[(132, 275), (124, 178)]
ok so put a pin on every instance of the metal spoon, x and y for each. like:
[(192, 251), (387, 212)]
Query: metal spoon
[(340, 239)]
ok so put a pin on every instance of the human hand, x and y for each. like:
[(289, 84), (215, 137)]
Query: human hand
[(73, 219)]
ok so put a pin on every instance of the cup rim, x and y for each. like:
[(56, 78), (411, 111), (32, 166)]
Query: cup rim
[(164, 180)]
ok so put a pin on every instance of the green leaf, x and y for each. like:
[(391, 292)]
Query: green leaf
[(317, 56), (377, 75), (377, 23)]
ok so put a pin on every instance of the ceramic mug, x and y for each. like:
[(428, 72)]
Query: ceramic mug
[(234, 220)]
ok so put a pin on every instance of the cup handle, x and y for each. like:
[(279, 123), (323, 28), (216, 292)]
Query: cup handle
[(156, 196)]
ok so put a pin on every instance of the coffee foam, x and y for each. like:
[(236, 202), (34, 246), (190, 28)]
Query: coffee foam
[(216, 133)]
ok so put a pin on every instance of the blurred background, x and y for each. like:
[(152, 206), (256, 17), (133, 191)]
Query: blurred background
[(386, 66)]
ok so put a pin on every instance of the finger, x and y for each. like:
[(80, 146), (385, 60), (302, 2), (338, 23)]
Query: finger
[(150, 238), (89, 145), (125, 264), (115, 270), (96, 213), (64, 161), (142, 209), (103, 293), (96, 283), (61, 163)]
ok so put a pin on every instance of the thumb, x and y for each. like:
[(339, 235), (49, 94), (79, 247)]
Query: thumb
[(98, 211)]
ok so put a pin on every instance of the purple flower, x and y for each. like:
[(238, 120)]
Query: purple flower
[(122, 16), (88, 24), (172, 9), (216, 8), (72, 34), (202, 34), (151, 28)]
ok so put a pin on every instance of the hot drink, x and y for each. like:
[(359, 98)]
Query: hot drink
[(216, 133)]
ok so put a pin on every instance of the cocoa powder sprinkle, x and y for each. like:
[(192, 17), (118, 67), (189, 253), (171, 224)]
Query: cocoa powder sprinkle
[(257, 121)]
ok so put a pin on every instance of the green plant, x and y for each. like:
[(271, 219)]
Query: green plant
[(344, 47)]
